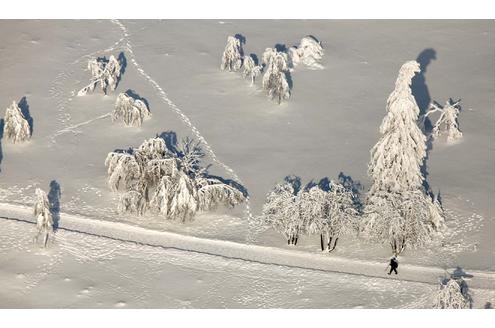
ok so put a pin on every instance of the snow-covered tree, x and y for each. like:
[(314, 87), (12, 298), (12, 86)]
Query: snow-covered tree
[(401, 219), (106, 72), (170, 182), (447, 123), (123, 171), (397, 157), (131, 110), (232, 55), (453, 294), (397, 210), (16, 128), (250, 69), (43, 215), (275, 77), (281, 210), (331, 213), (309, 52)]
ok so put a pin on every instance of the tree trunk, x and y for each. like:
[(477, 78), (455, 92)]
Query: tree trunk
[(321, 242), (295, 241), (329, 242), (334, 244)]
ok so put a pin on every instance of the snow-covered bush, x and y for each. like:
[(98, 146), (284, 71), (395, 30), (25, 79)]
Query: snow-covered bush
[(309, 52), (130, 109), (232, 55), (16, 127), (275, 77), (250, 69), (106, 72), (447, 123), (453, 294), (170, 182), (281, 210), (397, 210), (43, 215)]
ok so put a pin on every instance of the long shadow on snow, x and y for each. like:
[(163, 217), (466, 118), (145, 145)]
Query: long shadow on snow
[(54, 199), (24, 106)]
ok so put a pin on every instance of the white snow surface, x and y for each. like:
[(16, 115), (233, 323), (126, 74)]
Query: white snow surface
[(327, 126)]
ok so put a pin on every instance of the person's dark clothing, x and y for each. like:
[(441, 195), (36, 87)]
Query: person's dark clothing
[(394, 264)]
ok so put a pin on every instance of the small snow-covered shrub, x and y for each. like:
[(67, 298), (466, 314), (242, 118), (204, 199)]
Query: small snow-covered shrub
[(250, 69), (168, 181), (106, 72), (447, 124), (43, 215), (309, 52), (275, 77), (16, 127), (453, 294), (232, 55), (130, 109)]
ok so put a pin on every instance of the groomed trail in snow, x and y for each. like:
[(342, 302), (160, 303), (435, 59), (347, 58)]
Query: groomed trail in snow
[(261, 254)]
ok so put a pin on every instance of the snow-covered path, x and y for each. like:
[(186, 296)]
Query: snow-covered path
[(140, 264)]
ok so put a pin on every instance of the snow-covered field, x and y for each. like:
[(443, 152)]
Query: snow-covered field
[(327, 127)]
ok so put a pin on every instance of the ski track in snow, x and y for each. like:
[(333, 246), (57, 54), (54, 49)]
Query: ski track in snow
[(62, 101)]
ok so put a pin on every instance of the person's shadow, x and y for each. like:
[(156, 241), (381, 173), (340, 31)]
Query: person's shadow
[(54, 199)]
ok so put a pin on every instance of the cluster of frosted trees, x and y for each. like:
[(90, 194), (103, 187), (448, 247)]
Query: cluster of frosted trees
[(16, 127), (275, 65), (328, 210), (105, 72), (170, 182), (398, 209)]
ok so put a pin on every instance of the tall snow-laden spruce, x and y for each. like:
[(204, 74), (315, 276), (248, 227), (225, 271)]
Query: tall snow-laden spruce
[(16, 127), (397, 210), (232, 55), (275, 77), (167, 181), (43, 215)]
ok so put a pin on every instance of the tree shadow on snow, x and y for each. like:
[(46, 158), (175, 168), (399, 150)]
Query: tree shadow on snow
[(24, 106), (418, 84), (54, 199), (123, 62)]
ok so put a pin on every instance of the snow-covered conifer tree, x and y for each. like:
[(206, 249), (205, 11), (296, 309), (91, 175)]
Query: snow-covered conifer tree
[(106, 72), (309, 52), (232, 55), (397, 210), (250, 69), (16, 128), (132, 111), (447, 123), (453, 294), (132, 202), (281, 210), (275, 77), (397, 157), (43, 215)]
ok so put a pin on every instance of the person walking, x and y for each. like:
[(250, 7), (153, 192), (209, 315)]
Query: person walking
[(394, 264)]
